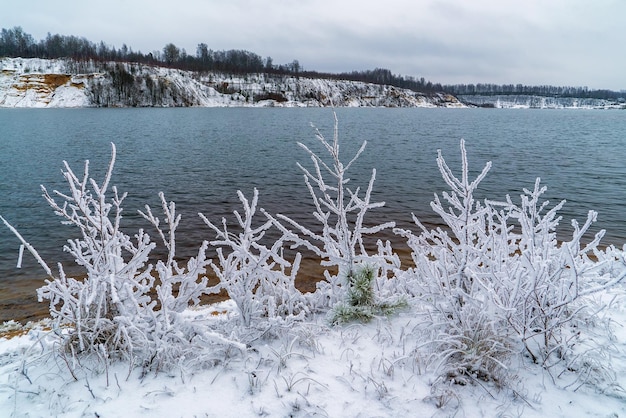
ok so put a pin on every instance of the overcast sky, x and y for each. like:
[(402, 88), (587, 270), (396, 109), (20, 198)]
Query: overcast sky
[(557, 42)]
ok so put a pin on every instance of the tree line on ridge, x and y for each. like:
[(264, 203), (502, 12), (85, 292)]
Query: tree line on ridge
[(17, 43)]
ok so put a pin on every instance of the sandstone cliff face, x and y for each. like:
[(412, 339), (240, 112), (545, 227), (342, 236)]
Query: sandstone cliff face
[(20, 88), (60, 83)]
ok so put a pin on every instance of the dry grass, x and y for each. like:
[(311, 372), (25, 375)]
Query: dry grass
[(13, 333), (12, 329)]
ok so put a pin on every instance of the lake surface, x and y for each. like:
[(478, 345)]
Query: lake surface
[(200, 157)]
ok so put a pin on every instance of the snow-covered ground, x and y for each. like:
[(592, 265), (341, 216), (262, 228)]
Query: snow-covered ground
[(353, 370)]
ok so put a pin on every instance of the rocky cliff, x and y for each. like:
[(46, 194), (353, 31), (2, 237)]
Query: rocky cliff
[(522, 101), (65, 83)]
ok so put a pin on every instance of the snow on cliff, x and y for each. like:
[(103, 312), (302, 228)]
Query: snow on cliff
[(40, 83), (62, 83), (524, 101)]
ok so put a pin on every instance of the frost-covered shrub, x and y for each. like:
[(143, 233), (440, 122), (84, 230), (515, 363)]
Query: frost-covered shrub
[(178, 286), (254, 275), (340, 212), (103, 311), (173, 337), (497, 282), (361, 303), (544, 286), (466, 335), (111, 313)]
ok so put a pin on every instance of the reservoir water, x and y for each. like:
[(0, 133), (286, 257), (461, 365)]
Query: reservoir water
[(200, 157)]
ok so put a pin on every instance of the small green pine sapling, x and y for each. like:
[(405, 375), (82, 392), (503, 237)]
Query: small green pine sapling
[(360, 302)]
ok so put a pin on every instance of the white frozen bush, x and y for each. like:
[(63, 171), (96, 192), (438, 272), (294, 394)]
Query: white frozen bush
[(340, 213), (544, 287), (178, 286), (497, 279), (255, 276), (463, 331), (110, 313), (175, 338), (104, 310)]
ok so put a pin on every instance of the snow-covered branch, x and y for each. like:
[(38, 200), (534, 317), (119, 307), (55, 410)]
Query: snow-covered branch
[(254, 275), (340, 214)]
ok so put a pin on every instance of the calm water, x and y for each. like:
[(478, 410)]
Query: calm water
[(201, 157)]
